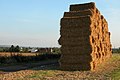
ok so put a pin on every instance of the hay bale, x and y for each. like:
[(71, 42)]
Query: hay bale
[(72, 67), (85, 40), (78, 7), (79, 13), (75, 21), (76, 59)]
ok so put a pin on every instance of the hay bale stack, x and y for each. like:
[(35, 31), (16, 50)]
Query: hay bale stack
[(85, 40)]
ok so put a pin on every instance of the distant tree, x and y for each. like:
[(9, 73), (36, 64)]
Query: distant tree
[(56, 50), (1, 49), (5, 49), (17, 49), (24, 50), (14, 49), (11, 49)]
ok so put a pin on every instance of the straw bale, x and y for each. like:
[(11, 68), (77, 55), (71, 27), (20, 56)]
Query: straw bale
[(70, 60), (72, 56), (78, 52), (77, 48), (78, 25), (85, 40), (79, 13), (77, 41), (76, 21), (71, 38), (75, 67), (75, 51), (72, 42), (76, 30), (74, 61), (78, 7), (74, 35)]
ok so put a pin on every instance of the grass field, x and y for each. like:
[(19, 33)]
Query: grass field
[(110, 70)]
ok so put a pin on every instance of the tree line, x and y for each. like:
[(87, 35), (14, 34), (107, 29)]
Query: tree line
[(12, 48)]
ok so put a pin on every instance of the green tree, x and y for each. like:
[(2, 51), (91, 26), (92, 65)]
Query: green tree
[(17, 49), (11, 49)]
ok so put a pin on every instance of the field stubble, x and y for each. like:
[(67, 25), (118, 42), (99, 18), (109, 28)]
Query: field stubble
[(107, 71)]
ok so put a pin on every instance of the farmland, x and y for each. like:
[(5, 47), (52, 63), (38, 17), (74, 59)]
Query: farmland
[(109, 70)]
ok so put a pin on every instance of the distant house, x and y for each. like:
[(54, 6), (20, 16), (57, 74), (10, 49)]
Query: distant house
[(21, 49), (45, 50), (33, 50)]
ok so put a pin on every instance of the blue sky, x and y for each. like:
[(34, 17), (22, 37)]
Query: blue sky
[(37, 22)]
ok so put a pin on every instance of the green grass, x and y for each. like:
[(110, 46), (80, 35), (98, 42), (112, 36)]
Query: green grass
[(115, 57), (115, 74), (41, 74)]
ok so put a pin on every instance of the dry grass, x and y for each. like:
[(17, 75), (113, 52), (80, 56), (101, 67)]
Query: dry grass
[(105, 72), (23, 54)]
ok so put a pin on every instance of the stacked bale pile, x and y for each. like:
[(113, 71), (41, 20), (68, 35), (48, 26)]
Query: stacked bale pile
[(85, 40)]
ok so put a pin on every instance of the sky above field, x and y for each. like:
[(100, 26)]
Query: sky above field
[(37, 22)]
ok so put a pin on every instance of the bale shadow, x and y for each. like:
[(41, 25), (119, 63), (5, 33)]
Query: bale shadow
[(41, 62), (42, 65)]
